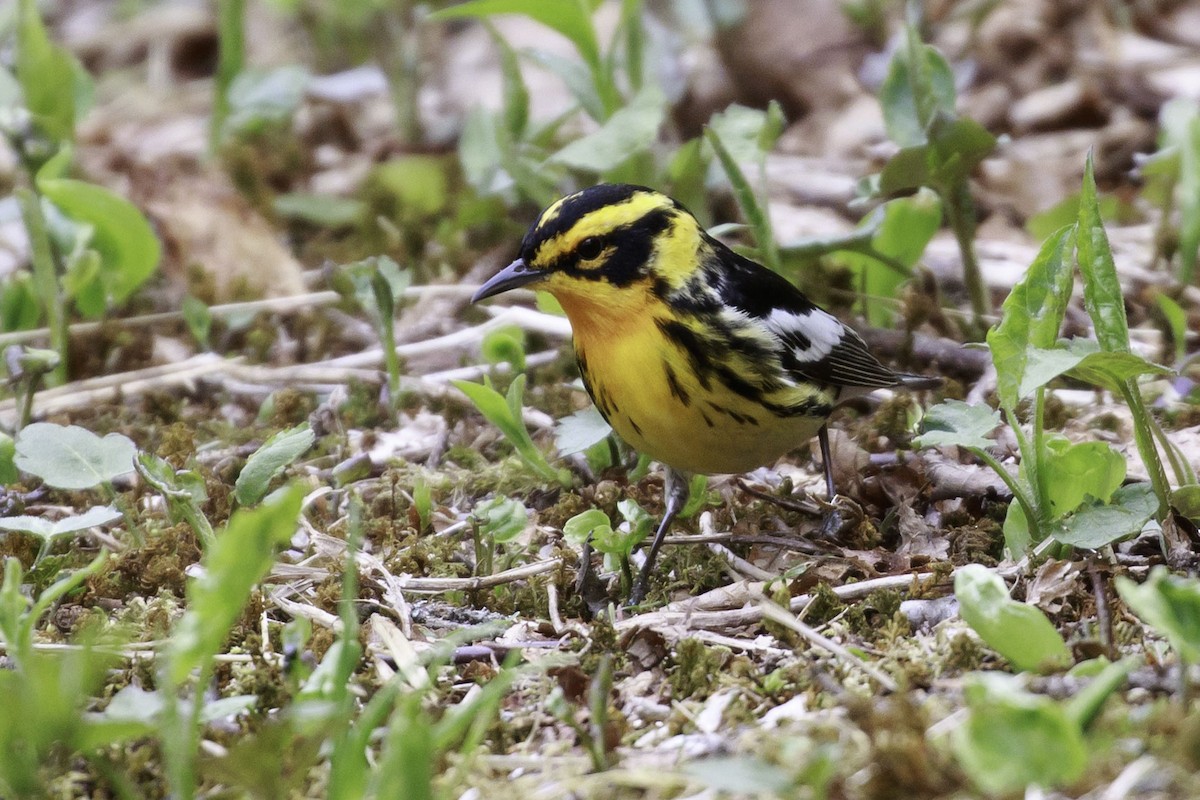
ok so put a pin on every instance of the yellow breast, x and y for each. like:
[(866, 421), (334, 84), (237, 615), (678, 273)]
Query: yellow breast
[(642, 384)]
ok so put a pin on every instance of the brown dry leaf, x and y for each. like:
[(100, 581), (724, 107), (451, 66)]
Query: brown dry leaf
[(1052, 583)]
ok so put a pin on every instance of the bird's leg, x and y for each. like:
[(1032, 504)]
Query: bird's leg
[(832, 523), (676, 489), (826, 460)]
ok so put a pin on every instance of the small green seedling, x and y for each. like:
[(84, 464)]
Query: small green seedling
[(376, 285), (504, 411), (184, 491), (593, 526), (281, 449)]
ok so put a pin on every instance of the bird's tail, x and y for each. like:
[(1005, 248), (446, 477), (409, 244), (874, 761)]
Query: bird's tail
[(916, 382)]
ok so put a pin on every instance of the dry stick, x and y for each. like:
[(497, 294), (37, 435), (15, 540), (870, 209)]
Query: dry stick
[(433, 585), (680, 615), (777, 614), (275, 305), (107, 388)]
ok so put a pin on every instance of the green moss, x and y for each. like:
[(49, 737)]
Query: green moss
[(695, 668)]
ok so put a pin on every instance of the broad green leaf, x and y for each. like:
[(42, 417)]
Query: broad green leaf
[(1032, 315), (1171, 605), (579, 528), (1111, 370), (957, 423), (1102, 295), (629, 131), (908, 169), (571, 18), (912, 92), (281, 449), (261, 97), (45, 529), (958, 146), (1013, 739), (1043, 366), (70, 457), (418, 184), (501, 518), (741, 130), (129, 251), (505, 413), (1019, 632), (47, 75), (1100, 524), (579, 431), (242, 555), (1074, 472)]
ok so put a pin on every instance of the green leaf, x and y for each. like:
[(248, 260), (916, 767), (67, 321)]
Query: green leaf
[(516, 96), (1179, 123), (266, 462), (240, 558), (744, 129), (71, 457), (630, 131), (198, 318), (575, 76), (505, 414), (1019, 632), (1085, 705), (8, 468), (902, 229), (571, 18), (47, 74), (1113, 370), (322, 210), (1075, 472), (45, 529), (1013, 739), (1171, 605), (958, 146), (1032, 316), (1102, 295), (905, 171), (957, 423), (911, 93), (1186, 500), (501, 518), (1101, 524), (261, 97), (580, 431), (129, 251), (579, 528), (505, 345)]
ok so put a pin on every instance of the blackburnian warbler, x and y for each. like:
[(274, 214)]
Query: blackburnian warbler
[(696, 356)]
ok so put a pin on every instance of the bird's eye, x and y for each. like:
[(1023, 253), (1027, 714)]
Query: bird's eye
[(590, 248)]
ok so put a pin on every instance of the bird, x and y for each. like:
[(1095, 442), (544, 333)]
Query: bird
[(696, 356)]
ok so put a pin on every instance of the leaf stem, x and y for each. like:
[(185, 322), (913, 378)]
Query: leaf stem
[(45, 281)]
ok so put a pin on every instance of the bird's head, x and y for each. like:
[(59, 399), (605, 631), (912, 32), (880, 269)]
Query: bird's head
[(588, 247)]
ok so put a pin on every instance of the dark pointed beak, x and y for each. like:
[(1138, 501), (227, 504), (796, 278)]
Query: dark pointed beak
[(513, 276)]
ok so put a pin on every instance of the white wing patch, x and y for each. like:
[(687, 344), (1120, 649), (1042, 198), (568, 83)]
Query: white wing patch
[(821, 330)]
